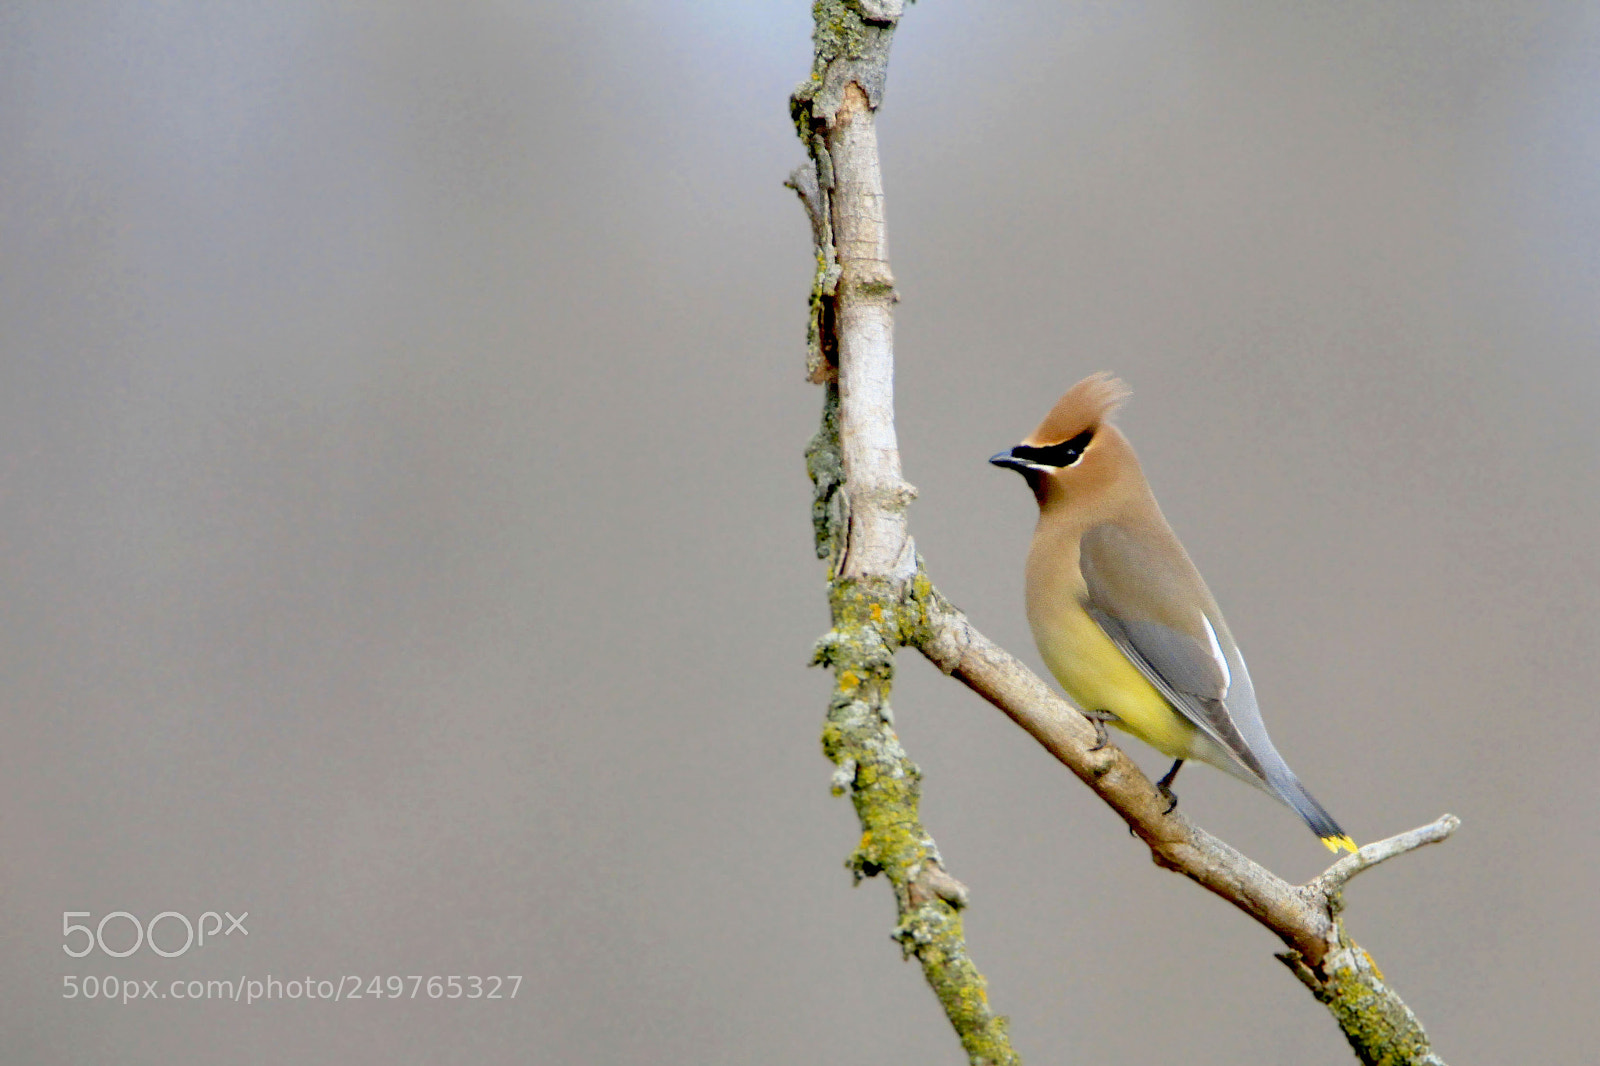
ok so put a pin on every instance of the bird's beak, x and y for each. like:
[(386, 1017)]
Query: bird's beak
[(1010, 462)]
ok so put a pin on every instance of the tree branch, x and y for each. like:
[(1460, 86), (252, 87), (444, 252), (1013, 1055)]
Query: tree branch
[(859, 507), (1333, 879), (882, 599), (1376, 1021)]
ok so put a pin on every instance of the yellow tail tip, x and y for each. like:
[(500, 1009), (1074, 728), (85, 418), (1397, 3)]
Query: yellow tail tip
[(1337, 844)]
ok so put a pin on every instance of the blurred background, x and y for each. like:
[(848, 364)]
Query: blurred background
[(406, 538)]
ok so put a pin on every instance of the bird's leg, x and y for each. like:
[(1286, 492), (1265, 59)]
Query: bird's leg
[(1100, 718), (1164, 786)]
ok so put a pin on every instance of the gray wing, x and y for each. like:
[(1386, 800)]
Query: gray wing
[(1129, 580), (1144, 593)]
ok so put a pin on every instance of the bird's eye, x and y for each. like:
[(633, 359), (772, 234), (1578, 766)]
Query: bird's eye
[(1066, 453)]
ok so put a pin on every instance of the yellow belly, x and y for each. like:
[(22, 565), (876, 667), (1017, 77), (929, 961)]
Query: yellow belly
[(1099, 677)]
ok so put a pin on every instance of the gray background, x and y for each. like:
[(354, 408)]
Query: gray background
[(405, 536)]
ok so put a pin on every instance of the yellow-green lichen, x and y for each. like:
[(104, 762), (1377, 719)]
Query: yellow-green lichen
[(1380, 1027), (871, 619)]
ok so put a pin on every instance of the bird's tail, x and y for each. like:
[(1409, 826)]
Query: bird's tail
[(1292, 792)]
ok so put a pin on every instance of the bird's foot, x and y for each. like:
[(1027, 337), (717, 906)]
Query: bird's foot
[(1164, 786), (1099, 720)]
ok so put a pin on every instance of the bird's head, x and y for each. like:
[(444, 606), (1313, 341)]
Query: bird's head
[(1075, 453)]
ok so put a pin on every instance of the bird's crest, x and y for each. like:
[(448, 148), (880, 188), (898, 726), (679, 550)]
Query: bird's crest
[(1085, 406)]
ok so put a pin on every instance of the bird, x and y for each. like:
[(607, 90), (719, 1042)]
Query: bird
[(1123, 618)]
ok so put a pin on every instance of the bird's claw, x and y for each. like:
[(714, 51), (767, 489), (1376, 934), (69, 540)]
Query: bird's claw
[(1099, 720)]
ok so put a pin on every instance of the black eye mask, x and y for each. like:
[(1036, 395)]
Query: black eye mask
[(1064, 454)]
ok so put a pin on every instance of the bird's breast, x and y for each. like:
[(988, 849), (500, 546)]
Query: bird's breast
[(1092, 669)]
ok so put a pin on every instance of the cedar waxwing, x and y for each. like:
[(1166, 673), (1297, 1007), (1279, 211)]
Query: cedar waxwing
[(1122, 617)]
